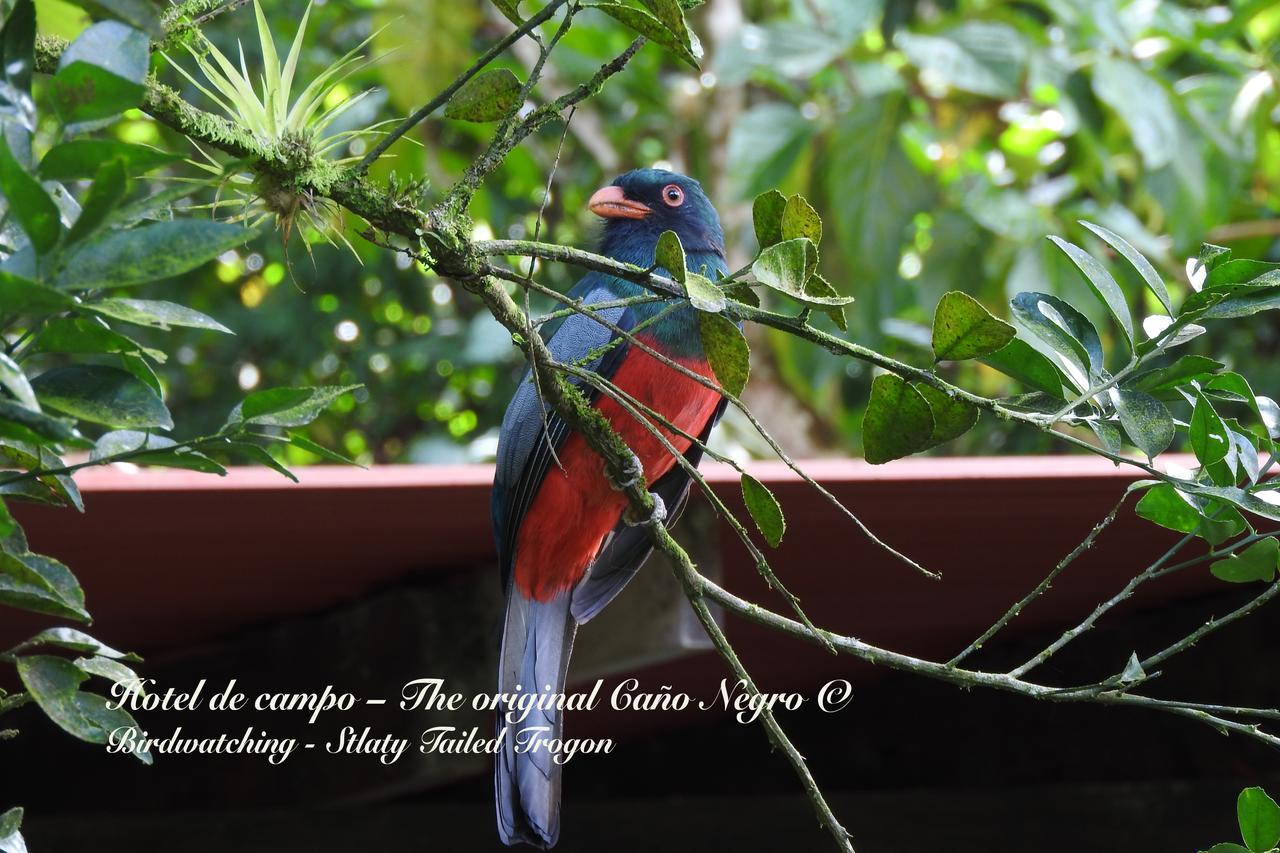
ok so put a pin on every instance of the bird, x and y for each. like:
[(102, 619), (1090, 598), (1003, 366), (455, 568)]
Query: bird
[(565, 547)]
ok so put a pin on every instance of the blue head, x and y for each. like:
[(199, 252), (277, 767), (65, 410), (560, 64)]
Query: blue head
[(641, 204)]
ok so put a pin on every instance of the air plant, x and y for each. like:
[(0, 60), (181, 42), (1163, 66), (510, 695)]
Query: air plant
[(294, 126)]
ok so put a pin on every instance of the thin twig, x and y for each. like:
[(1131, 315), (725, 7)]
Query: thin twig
[(1017, 608), (449, 91)]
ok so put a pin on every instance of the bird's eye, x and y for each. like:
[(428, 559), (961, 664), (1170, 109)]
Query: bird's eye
[(672, 195)]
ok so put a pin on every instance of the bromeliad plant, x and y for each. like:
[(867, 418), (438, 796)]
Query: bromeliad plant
[(78, 233), (298, 127)]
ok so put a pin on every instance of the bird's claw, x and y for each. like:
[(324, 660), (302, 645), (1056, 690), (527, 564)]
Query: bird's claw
[(658, 515), (633, 470)]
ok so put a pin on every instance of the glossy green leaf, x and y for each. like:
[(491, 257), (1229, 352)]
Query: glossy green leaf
[(897, 422), (81, 158), (76, 641), (1025, 364), (726, 350), (510, 10), (765, 510), (150, 252), (1258, 562), (16, 383), (669, 255), (54, 685), (669, 13), (799, 219), (1102, 284), (154, 313), (651, 28), (1168, 507), (29, 204), (703, 293), (287, 407), (23, 296), (84, 92), (38, 423), (1063, 328), (1146, 420), (11, 840), (819, 288), (1210, 440), (1186, 369), (766, 216), (1259, 819), (139, 14), (1137, 260), (105, 195), (85, 335), (787, 267), (112, 670), (303, 443), (103, 395), (1227, 847), (489, 96), (1141, 102), (963, 328), (952, 417), (17, 49), (40, 584), (257, 453)]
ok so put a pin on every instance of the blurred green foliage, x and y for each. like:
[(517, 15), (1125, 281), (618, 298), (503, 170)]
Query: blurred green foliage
[(941, 142)]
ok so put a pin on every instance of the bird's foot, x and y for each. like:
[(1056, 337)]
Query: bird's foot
[(658, 515), (633, 470)]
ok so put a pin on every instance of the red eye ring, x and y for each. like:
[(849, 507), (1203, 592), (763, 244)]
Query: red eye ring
[(672, 195)]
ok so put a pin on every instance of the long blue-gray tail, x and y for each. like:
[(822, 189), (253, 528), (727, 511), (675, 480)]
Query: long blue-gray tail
[(537, 639)]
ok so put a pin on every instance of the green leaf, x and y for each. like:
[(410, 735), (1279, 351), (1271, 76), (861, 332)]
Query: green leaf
[(81, 158), (799, 219), (42, 585), (138, 14), (1234, 387), (764, 509), (1169, 507), (103, 395), (1145, 419), (952, 417), (29, 204), (1025, 364), (155, 313), (490, 96), (39, 424), (1227, 847), (1259, 818), (510, 10), (1241, 271), (764, 144), (1186, 369), (669, 255), (54, 684), (10, 836), (704, 294), (303, 443), (1211, 256), (963, 328), (1102, 284), (287, 407), (81, 335), (1227, 523), (981, 57), (651, 28), (84, 92), (1137, 260), (787, 267), (1210, 440), (1142, 102), (819, 288), (1258, 562), (669, 13), (897, 422), (23, 296), (256, 453), (726, 350), (76, 641), (111, 670), (766, 216), (164, 453), (15, 382), (105, 194), (17, 51), (149, 252), (1063, 328)]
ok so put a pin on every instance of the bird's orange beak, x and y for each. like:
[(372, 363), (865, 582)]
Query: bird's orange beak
[(612, 203)]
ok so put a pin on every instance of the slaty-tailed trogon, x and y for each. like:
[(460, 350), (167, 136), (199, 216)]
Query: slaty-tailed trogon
[(564, 548)]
